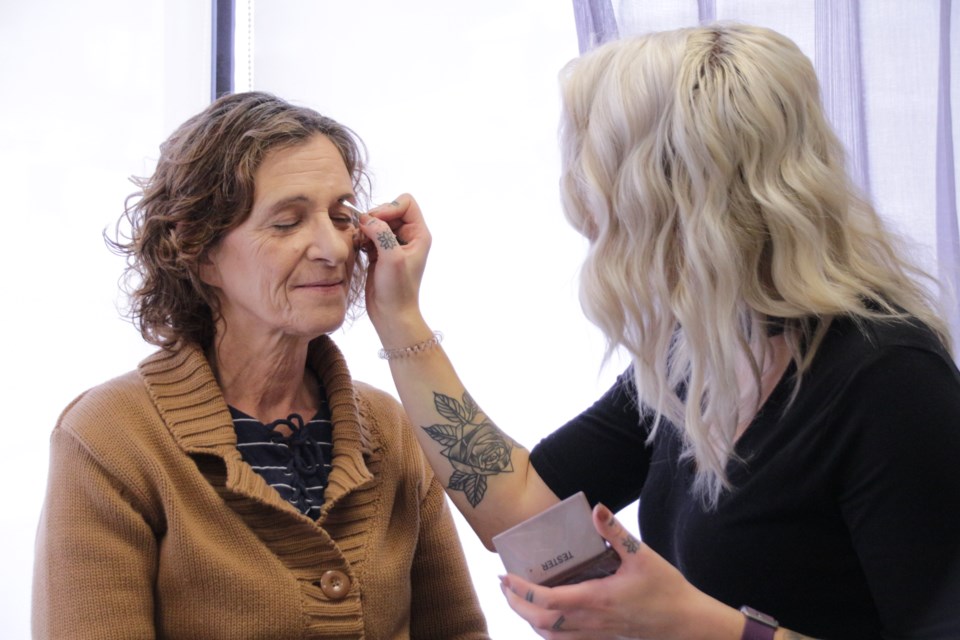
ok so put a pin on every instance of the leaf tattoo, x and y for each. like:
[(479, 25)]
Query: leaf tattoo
[(475, 447)]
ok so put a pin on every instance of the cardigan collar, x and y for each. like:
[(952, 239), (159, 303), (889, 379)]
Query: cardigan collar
[(185, 392)]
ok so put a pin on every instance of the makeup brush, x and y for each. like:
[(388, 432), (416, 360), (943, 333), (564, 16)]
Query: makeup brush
[(354, 208), (358, 212)]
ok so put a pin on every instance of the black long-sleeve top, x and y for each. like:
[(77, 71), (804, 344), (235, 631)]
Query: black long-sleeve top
[(844, 517)]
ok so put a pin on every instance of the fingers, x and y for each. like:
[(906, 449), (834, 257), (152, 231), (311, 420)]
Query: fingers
[(403, 206), (547, 609), (515, 587), (522, 598), (624, 542), (397, 223), (396, 242), (379, 234)]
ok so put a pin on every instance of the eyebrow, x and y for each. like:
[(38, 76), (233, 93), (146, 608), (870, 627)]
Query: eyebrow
[(283, 203)]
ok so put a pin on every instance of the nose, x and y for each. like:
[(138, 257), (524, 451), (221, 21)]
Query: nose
[(328, 243)]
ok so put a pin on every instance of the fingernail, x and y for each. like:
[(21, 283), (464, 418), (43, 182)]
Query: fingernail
[(604, 514)]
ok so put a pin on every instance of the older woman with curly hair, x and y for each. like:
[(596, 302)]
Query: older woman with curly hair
[(791, 419), (238, 483)]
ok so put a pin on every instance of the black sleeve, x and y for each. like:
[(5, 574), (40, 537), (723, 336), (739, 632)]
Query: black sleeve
[(601, 452), (901, 490)]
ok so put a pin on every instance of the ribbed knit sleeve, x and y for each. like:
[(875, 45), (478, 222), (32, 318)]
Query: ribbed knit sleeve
[(442, 600), (96, 556), (444, 604)]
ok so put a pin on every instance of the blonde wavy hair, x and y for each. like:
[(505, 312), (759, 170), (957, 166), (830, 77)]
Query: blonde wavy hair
[(700, 166)]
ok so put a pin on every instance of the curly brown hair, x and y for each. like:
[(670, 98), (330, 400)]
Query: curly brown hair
[(203, 187)]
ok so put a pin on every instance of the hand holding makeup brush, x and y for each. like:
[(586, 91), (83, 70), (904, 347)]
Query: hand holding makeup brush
[(397, 243)]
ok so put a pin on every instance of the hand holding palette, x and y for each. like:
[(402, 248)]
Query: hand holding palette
[(557, 546)]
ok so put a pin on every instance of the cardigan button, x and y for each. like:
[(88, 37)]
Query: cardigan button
[(335, 584)]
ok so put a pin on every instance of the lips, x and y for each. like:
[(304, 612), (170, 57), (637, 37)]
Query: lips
[(320, 281)]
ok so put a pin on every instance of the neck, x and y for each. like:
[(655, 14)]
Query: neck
[(774, 362), (266, 380)]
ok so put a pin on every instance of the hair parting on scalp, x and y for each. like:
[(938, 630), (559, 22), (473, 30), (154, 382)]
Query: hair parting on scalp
[(202, 187), (701, 168)]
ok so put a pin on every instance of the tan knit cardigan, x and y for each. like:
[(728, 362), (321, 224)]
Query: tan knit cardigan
[(154, 527)]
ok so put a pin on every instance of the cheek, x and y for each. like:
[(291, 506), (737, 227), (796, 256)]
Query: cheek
[(351, 263), (351, 243)]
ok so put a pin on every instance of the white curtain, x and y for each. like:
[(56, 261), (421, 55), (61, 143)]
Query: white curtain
[(885, 72)]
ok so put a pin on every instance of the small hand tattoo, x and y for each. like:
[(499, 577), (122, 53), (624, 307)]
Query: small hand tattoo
[(631, 543), (529, 596), (387, 240), (559, 623), (475, 447)]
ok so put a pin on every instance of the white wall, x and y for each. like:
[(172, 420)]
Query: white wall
[(458, 105), (89, 91)]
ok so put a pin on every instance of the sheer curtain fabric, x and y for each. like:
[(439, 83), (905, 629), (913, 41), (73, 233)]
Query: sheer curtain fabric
[(885, 76)]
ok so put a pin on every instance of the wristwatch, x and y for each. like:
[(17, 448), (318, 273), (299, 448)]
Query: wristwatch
[(759, 626)]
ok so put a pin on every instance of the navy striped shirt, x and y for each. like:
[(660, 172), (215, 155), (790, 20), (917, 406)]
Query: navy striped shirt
[(297, 465)]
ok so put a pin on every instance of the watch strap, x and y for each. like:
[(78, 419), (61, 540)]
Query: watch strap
[(759, 626)]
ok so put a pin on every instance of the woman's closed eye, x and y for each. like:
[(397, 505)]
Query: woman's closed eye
[(339, 219), (342, 219), (285, 225)]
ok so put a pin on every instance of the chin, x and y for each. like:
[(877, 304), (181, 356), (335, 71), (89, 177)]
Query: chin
[(329, 325)]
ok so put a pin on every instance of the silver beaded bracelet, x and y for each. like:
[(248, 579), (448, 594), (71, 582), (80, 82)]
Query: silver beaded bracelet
[(412, 350)]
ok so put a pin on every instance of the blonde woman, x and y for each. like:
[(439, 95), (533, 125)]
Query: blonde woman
[(791, 417)]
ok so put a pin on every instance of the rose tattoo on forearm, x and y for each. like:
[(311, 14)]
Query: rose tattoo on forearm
[(475, 447)]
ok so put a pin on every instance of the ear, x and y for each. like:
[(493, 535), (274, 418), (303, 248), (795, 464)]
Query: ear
[(209, 271)]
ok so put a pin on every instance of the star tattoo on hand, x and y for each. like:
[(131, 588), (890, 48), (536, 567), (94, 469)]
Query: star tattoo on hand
[(387, 240)]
